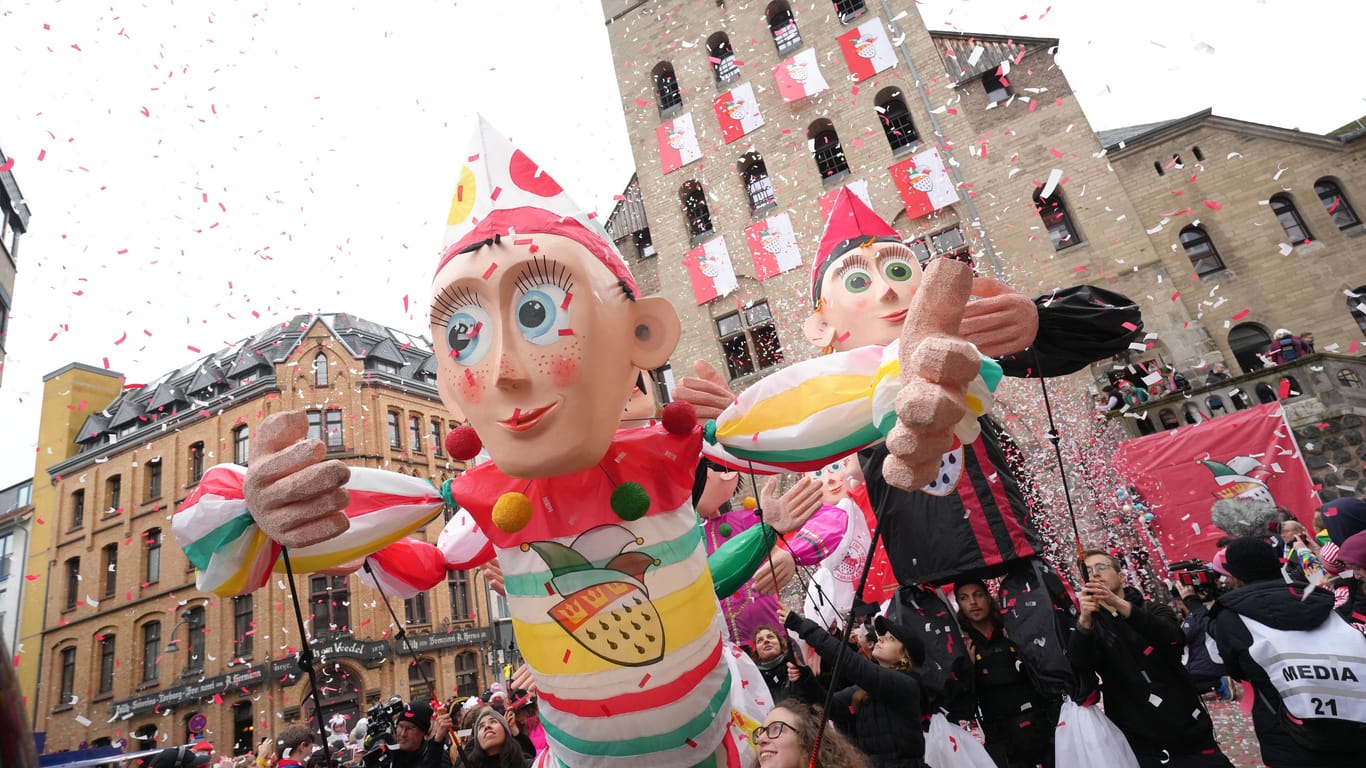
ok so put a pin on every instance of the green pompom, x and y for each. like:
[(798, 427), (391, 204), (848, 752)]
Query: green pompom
[(724, 529), (709, 431), (630, 501)]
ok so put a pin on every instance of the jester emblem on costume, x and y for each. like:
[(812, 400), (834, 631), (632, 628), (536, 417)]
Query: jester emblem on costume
[(606, 608)]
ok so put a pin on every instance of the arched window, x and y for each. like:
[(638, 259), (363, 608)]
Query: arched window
[(320, 370), (1240, 401), (1192, 413), (1349, 378), (722, 58), (1330, 194), (825, 147), (666, 88), (421, 680), (1291, 385), (1200, 250), (695, 210), (1168, 418), (1249, 341), (1265, 393), (1289, 217), (896, 119), (754, 175), (1056, 219), (1357, 306), (241, 437), (1215, 404), (783, 25), (849, 9)]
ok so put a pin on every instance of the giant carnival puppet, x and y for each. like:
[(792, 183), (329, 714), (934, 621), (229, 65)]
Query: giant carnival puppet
[(907, 382)]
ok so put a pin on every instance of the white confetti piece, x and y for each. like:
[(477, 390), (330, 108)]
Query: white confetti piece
[(1155, 700), (1286, 249), (83, 721)]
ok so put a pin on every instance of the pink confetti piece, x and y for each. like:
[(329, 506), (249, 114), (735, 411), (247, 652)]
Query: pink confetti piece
[(193, 349), (1129, 326), (495, 193), (1055, 153), (489, 272), (121, 339), (566, 332), (42, 153), (8, 165), (1242, 315), (643, 680), (1176, 296), (1213, 206), (568, 297)]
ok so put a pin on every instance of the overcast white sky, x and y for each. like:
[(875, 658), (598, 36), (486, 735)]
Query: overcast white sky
[(198, 171)]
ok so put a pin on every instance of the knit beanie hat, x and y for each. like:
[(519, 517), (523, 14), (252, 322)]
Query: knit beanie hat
[(1353, 551), (419, 713), (1251, 559), (1344, 518)]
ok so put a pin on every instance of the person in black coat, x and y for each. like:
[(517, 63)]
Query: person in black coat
[(785, 675), (1307, 665), (880, 711), (1018, 719), (1136, 646)]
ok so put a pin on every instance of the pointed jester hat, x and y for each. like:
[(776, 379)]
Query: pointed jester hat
[(503, 193), (852, 224)]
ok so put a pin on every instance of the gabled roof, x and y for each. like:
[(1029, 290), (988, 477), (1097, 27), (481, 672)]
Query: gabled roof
[(963, 61), (1149, 134), (208, 374), (129, 410), (95, 425), (249, 360)]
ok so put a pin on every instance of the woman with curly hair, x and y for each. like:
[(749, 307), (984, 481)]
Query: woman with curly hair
[(788, 734)]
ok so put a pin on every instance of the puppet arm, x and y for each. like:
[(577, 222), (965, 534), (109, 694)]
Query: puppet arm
[(820, 537), (1077, 326), (735, 562), (812, 412), (234, 556)]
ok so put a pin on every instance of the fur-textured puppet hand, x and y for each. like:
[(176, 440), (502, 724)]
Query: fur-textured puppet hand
[(936, 368), (1001, 321), (294, 495)]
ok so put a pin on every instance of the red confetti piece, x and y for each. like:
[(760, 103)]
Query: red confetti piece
[(8, 165), (32, 577), (489, 272), (193, 349), (1176, 296), (472, 158), (1129, 326), (643, 680), (1213, 206), (1352, 348), (1055, 153), (121, 339), (566, 331), (568, 297), (405, 302), (495, 193), (1242, 314), (565, 660)]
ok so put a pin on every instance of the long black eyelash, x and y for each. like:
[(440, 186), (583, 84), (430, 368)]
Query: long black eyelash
[(857, 261), (541, 270), (451, 299)]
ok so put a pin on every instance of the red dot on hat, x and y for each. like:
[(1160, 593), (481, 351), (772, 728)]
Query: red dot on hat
[(679, 417), (463, 443), (529, 176)]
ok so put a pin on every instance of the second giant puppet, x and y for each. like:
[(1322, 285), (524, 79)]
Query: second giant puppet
[(966, 518)]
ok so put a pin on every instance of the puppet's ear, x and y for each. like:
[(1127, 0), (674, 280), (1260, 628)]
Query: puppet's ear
[(656, 331), (818, 331)]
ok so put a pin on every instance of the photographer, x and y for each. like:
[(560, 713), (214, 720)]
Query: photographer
[(419, 740)]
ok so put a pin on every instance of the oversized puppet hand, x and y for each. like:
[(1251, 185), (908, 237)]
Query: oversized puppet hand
[(936, 368), (772, 575), (1001, 321), (706, 392), (295, 497), (493, 576), (790, 512)]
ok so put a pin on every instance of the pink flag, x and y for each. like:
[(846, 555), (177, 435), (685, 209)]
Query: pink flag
[(773, 246), (738, 112), (867, 50), (710, 270), (677, 143), (799, 77), (924, 184)]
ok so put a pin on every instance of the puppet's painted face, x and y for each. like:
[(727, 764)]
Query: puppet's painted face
[(865, 295), (837, 479), (538, 347)]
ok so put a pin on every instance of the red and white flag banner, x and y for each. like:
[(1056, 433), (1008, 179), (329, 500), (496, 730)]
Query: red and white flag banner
[(867, 50), (738, 112), (710, 271), (925, 185), (1180, 473), (799, 77), (677, 143), (773, 246)]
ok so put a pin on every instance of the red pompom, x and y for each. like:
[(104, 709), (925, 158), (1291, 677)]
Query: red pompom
[(679, 417), (463, 443)]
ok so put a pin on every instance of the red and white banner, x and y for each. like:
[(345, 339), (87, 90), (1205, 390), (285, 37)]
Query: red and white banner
[(1242, 455), (738, 112), (867, 50), (827, 200), (799, 77), (925, 185), (677, 143), (710, 270), (773, 246)]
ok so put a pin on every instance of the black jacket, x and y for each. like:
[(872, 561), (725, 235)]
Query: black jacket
[(1203, 669), (431, 755), (886, 725), (1014, 714), (1284, 607), (1147, 692), (807, 689)]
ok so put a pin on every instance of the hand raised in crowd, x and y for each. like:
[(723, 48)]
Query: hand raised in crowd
[(771, 577), (1184, 590), (1088, 605), (1109, 601), (295, 496), (794, 672), (707, 392), (789, 512), (441, 724)]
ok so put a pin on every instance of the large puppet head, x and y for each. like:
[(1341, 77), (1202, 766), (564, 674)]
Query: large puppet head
[(862, 280), (838, 478), (537, 326)]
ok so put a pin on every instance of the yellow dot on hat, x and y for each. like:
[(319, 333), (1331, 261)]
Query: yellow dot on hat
[(466, 191), (512, 512)]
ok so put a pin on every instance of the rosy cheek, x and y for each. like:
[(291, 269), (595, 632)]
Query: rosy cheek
[(564, 370), (471, 386)]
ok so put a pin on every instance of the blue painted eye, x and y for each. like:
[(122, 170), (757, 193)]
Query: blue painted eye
[(469, 334), (542, 313), (835, 467), (817, 473)]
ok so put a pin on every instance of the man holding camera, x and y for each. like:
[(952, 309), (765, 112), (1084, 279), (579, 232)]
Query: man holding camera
[(419, 740)]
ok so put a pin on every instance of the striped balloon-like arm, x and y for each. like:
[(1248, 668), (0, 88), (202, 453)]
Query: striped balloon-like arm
[(216, 530), (817, 410)]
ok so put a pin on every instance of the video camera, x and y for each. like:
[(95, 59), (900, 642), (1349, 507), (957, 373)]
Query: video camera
[(379, 730), (1199, 575)]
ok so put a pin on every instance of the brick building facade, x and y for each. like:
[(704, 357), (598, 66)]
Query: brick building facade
[(128, 646)]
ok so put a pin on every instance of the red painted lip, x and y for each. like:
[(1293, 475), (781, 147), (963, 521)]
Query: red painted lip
[(895, 317), (521, 420)]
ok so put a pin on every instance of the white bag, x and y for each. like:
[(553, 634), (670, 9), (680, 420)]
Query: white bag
[(1086, 737), (949, 746)]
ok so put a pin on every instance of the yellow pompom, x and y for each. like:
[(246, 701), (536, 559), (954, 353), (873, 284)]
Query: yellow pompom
[(749, 503), (512, 512)]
